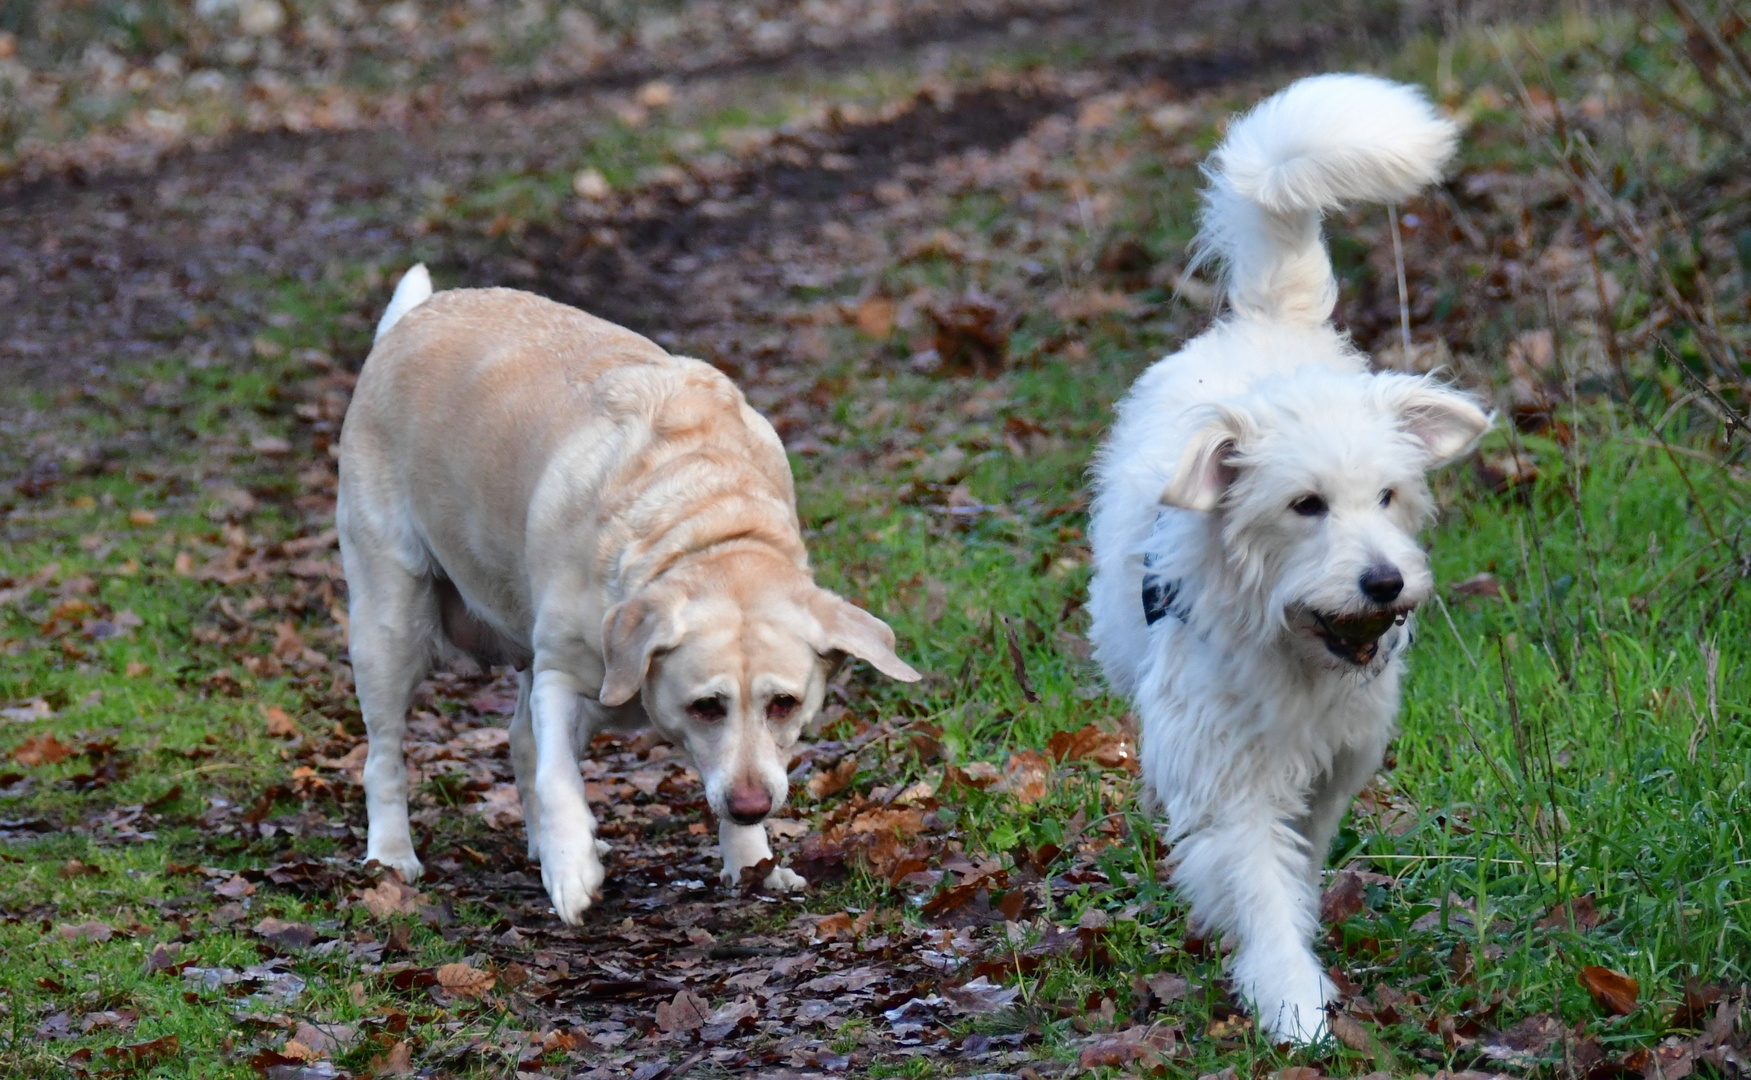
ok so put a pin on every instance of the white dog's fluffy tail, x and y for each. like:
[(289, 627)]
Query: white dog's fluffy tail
[(1320, 143), (414, 289)]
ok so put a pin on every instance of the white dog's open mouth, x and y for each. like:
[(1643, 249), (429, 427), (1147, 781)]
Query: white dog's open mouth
[(1355, 638)]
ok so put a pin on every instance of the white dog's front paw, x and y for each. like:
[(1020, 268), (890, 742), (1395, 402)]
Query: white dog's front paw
[(1300, 1021), (397, 857), (574, 881), (1289, 1002)]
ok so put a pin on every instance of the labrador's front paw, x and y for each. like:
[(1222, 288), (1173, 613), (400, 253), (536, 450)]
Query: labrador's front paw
[(397, 857), (780, 879), (573, 880)]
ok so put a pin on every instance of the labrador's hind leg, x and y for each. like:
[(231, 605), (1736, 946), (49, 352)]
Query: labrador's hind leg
[(523, 761), (393, 613)]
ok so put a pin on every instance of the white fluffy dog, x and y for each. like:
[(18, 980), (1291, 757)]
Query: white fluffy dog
[(1255, 531)]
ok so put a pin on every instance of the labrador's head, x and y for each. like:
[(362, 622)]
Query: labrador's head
[(732, 661)]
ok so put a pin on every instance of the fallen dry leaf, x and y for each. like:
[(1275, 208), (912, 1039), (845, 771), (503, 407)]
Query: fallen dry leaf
[(978, 775), (89, 931), (972, 334), (1580, 912), (391, 896), (687, 1012), (1024, 776), (656, 94), (144, 1054), (235, 887), (290, 935), (1146, 1046), (465, 981), (1110, 750), (1612, 990), (1166, 987), (1344, 897), (905, 821), (824, 783), (726, 1018), (875, 317), (29, 711), (1349, 1030), (501, 807), (981, 996), (1524, 1045), (1699, 999), (1486, 585), (280, 724), (164, 957), (1018, 662), (397, 1062), (41, 750), (592, 185)]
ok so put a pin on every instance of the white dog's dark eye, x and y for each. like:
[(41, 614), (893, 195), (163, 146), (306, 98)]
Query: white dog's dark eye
[(1386, 497), (781, 706), (708, 708), (1308, 506)]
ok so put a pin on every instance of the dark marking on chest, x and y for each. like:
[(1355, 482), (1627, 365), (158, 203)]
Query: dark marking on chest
[(1161, 599)]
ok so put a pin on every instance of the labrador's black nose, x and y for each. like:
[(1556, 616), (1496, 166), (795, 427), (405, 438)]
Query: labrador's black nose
[(1382, 583)]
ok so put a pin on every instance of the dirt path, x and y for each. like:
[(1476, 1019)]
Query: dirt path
[(182, 260)]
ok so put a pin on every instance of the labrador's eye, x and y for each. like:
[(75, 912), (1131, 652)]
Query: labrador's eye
[(780, 707), (1386, 497), (707, 708), (1309, 506)]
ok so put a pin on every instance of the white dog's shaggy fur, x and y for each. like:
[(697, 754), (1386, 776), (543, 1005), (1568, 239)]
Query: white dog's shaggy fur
[(1256, 564)]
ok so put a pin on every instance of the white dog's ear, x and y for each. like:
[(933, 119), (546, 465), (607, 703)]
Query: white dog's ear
[(1206, 468), (1445, 422), (850, 629), (633, 631)]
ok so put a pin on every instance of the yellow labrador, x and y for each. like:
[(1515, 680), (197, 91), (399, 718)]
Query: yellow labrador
[(538, 487)]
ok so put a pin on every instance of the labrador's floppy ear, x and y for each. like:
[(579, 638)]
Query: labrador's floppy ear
[(1206, 468), (633, 631), (1445, 421), (850, 629)]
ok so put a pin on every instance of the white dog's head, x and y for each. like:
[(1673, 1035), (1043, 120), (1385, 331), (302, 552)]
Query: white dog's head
[(732, 658), (1317, 485)]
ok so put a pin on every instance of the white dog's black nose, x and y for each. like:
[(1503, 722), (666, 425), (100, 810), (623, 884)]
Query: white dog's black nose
[(1382, 583)]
